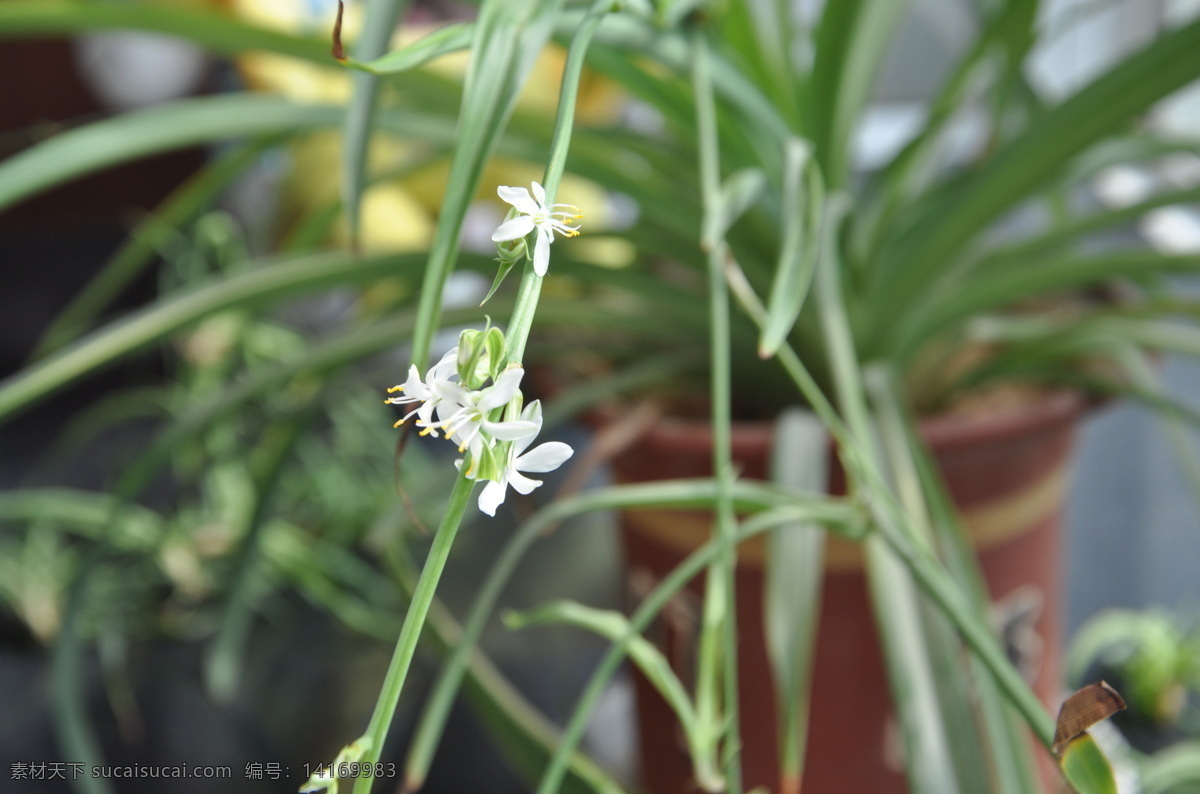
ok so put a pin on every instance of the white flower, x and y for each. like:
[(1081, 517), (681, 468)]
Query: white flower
[(429, 392), (542, 458), (496, 447), (463, 414), (535, 214)]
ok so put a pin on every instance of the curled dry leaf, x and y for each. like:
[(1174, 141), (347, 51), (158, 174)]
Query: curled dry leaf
[(1092, 704)]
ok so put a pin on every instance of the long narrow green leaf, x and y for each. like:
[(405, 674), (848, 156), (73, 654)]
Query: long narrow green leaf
[(792, 588), (1071, 231), (142, 328), (188, 122), (147, 132), (933, 579), (1087, 768), (929, 766), (762, 118), (978, 738), (911, 171), (1011, 765), (1011, 92), (949, 597), (291, 276), (891, 579), (803, 216), (215, 31), (764, 37), (1002, 287), (378, 24), (443, 41), (851, 41), (1034, 158)]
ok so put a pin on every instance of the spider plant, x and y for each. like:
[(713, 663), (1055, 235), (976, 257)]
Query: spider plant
[(790, 275)]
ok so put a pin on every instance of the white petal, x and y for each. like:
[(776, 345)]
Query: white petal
[(544, 457), (541, 251), (513, 229), (414, 387), (446, 367), (519, 197), (522, 484), (450, 393), (511, 431), (425, 414), (532, 413), (502, 390), (492, 497), (539, 194)]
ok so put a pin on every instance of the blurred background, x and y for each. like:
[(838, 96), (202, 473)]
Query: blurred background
[(180, 668)]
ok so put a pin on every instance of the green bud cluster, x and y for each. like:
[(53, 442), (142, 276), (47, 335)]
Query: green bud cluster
[(480, 354)]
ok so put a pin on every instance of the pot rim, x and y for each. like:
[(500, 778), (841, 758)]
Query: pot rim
[(940, 431)]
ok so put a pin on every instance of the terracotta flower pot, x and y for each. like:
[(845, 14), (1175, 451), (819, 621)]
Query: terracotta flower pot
[(1007, 473)]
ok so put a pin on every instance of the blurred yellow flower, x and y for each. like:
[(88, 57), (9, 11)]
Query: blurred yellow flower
[(398, 215)]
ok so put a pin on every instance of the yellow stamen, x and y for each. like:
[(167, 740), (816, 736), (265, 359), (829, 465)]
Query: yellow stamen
[(394, 389), (426, 431), (398, 423)]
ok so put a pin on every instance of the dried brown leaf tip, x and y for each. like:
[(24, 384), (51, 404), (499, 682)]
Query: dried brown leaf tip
[(1090, 705), (339, 52)]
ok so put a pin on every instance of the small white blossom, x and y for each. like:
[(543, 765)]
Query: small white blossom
[(496, 447), (429, 393), (463, 414), (542, 458), (535, 214)]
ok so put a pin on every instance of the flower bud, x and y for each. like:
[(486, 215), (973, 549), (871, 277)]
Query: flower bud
[(480, 354)]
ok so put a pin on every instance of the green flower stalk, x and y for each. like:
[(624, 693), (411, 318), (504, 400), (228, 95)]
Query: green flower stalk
[(489, 424)]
